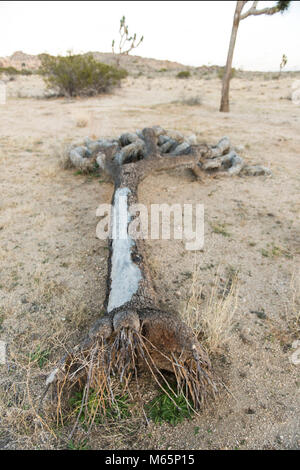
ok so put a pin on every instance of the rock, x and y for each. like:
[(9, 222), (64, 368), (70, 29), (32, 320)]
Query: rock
[(256, 170), (162, 139), (94, 147), (192, 139), (80, 150), (175, 135), (239, 148), (128, 138), (87, 141), (295, 357), (101, 160), (139, 133), (236, 163), (79, 156), (159, 131), (108, 143), (181, 148), (133, 150), (212, 164), (167, 146), (222, 147)]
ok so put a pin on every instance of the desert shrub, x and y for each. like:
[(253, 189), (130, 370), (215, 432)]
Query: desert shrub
[(184, 74), (221, 72), (12, 71), (76, 74), (191, 101), (163, 70)]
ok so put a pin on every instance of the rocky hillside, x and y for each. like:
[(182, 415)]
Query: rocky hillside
[(135, 65)]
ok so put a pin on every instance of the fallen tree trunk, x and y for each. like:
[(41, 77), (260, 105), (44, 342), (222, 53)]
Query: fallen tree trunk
[(135, 333)]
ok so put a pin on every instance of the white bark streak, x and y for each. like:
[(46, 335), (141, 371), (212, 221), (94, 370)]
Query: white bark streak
[(125, 274)]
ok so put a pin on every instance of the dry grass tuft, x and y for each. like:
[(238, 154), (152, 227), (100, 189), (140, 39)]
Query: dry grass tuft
[(292, 305), (61, 153), (81, 122), (212, 319)]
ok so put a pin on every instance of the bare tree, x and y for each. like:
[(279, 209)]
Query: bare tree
[(127, 43), (282, 64), (280, 6)]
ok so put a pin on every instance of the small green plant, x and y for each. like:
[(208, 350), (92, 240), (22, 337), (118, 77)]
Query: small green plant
[(98, 409), (275, 251), (163, 70), (40, 356), (80, 445), (220, 229), (171, 410), (76, 74), (196, 430), (184, 74)]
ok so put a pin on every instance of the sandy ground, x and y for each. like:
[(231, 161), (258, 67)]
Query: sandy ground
[(53, 268)]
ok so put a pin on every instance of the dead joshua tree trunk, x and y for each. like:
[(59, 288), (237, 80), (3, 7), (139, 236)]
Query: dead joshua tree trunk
[(135, 333)]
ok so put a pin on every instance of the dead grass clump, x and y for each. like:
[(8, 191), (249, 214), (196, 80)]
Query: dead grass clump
[(61, 153), (289, 330), (212, 319), (81, 122), (189, 101), (293, 304), (192, 101)]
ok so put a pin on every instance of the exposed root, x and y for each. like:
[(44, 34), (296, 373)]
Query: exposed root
[(104, 364)]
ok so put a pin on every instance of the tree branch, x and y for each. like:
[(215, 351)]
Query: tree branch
[(264, 11)]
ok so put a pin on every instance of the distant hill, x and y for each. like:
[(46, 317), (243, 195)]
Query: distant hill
[(19, 60), (135, 65)]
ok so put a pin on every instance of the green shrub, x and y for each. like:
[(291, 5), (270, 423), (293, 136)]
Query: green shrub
[(174, 411), (221, 72), (12, 71), (184, 74), (76, 74)]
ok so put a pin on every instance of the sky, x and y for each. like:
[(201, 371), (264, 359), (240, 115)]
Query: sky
[(190, 32)]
